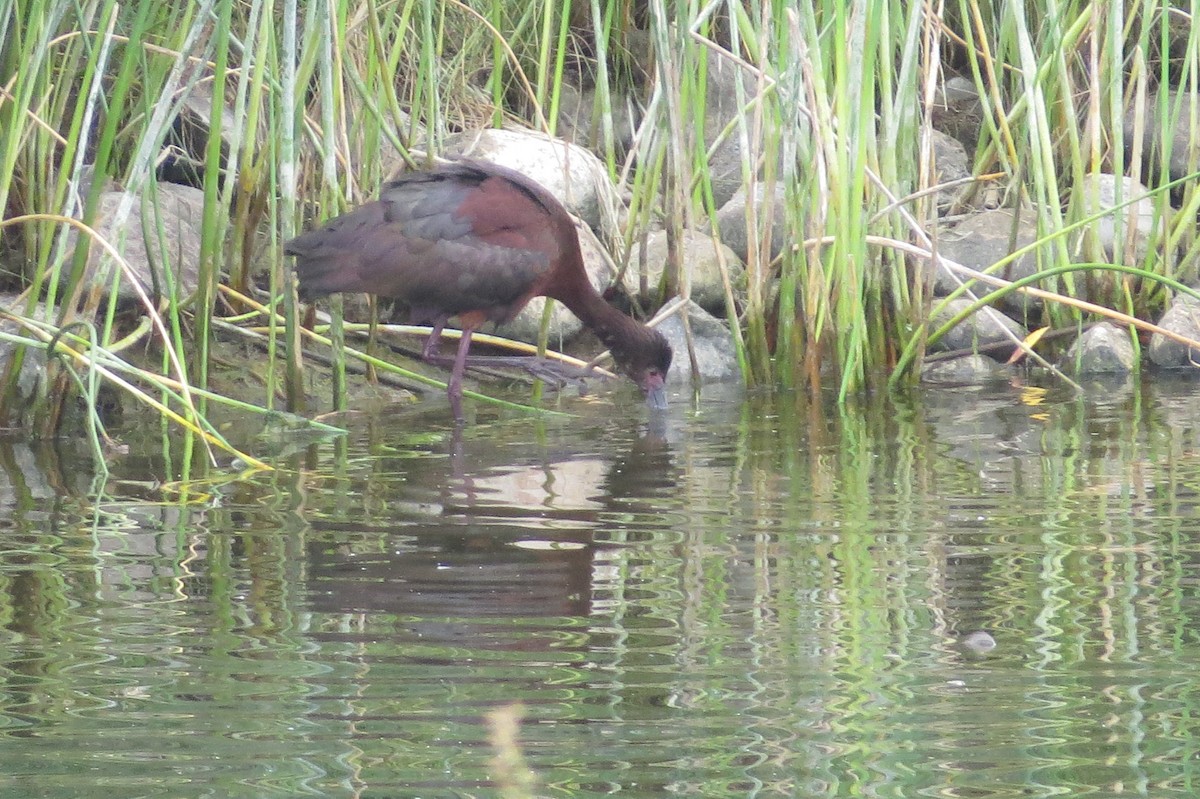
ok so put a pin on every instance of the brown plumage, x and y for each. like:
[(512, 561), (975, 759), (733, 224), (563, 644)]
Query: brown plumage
[(478, 241)]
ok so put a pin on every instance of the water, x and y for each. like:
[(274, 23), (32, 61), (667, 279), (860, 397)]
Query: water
[(967, 593)]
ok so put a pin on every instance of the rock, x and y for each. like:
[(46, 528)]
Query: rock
[(712, 342), (32, 387), (173, 211), (701, 256), (985, 326), (572, 174), (1102, 349), (1184, 156), (721, 105), (185, 147), (1182, 317), (963, 371), (81, 185), (979, 642), (31, 380), (1143, 223), (958, 111), (950, 163), (981, 240), (731, 220), (580, 123), (184, 155), (39, 473), (376, 158)]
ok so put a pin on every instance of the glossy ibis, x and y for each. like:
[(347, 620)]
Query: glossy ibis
[(477, 241)]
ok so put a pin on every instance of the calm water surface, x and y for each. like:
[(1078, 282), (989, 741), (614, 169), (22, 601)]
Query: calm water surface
[(970, 593)]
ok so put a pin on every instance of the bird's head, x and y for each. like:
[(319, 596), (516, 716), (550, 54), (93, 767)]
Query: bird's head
[(647, 365)]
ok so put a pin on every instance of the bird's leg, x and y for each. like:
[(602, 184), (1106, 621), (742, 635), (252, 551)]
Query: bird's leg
[(555, 373), (429, 351), (454, 387)]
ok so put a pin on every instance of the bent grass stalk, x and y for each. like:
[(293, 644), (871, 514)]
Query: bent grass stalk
[(97, 359), (104, 359)]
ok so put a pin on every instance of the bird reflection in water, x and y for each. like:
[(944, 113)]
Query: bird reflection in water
[(483, 544)]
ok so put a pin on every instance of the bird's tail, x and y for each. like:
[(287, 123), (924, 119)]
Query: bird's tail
[(318, 271)]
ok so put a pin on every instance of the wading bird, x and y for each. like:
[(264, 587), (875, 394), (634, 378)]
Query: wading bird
[(476, 241)]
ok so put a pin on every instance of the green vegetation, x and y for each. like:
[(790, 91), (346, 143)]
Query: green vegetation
[(281, 113)]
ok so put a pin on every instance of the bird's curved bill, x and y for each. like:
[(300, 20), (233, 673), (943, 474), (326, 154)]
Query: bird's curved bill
[(656, 393)]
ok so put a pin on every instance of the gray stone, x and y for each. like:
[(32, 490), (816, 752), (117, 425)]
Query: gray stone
[(725, 80), (731, 220), (985, 326), (31, 380), (721, 105), (1183, 318), (701, 255), (969, 370), (31, 388), (580, 123), (716, 357), (1102, 349), (81, 185), (378, 158), (185, 147), (1142, 222), (170, 218), (950, 163), (981, 240), (1184, 136), (958, 111)]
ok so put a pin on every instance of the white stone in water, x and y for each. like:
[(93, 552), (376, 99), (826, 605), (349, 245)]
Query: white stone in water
[(979, 641)]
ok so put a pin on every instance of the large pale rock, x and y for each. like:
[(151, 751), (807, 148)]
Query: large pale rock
[(580, 122), (958, 111), (375, 155), (30, 392), (950, 163), (981, 240), (712, 342), (162, 231), (1102, 349), (185, 148), (1142, 224), (1182, 317), (30, 385), (1183, 137), (701, 257), (731, 219), (970, 370), (722, 104), (985, 326), (729, 92)]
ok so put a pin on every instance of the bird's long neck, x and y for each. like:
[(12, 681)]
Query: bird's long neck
[(615, 330), (622, 335)]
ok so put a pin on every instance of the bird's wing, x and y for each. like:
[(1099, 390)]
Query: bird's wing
[(445, 242), (468, 242)]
